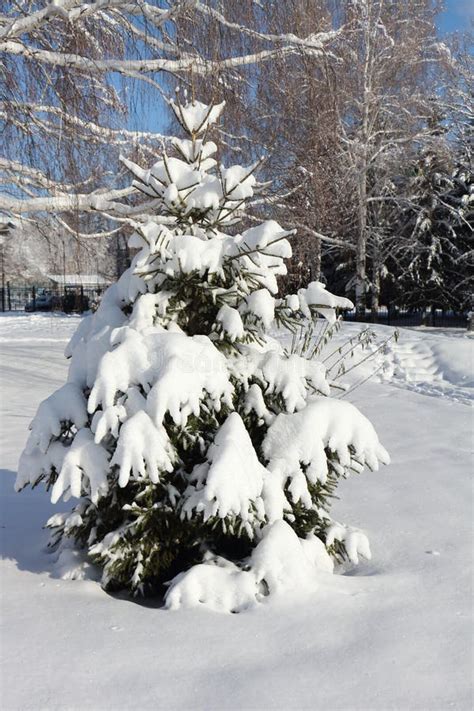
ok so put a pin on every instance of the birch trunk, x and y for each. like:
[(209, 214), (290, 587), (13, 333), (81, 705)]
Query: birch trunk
[(361, 251)]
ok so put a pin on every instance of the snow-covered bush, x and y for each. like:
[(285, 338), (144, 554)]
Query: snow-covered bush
[(200, 451)]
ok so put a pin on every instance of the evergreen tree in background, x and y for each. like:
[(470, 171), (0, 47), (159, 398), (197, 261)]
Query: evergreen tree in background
[(437, 231), (200, 450)]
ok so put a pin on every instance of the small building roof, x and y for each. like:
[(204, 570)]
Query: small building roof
[(79, 279)]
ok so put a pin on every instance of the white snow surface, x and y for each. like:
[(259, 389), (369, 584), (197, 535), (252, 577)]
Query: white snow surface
[(393, 633)]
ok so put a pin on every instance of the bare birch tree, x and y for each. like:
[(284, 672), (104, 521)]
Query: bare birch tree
[(70, 77), (341, 118)]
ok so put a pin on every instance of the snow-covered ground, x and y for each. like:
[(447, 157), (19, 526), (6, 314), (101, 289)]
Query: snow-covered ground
[(394, 633)]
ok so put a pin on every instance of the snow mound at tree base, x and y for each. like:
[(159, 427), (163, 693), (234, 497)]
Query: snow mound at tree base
[(73, 564), (281, 562)]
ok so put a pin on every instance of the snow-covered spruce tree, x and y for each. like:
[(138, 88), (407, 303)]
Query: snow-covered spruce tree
[(200, 451), (436, 230)]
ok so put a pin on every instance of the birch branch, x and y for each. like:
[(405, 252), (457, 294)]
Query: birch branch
[(103, 66), (96, 201)]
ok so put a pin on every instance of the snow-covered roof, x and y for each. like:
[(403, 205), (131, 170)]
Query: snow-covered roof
[(78, 279)]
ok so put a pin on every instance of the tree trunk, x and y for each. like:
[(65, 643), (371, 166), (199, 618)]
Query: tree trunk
[(363, 164), (360, 285), (375, 301), (316, 260)]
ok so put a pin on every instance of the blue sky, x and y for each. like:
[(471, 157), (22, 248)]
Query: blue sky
[(458, 15)]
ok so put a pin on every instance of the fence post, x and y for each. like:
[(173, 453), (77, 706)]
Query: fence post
[(3, 298), (388, 314), (433, 316), (82, 299), (34, 298), (9, 297)]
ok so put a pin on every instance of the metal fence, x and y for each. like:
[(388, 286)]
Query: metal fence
[(436, 318), (80, 298), (70, 299)]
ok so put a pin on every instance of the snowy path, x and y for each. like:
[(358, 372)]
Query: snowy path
[(392, 634), (416, 362), (427, 361), (423, 364)]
